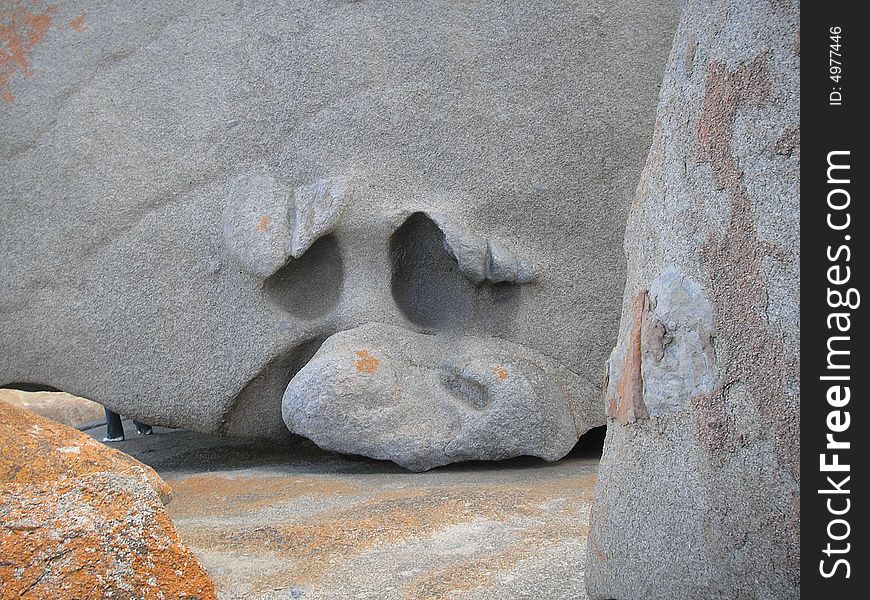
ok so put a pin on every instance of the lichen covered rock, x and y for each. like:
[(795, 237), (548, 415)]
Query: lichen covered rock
[(102, 536), (80, 520), (36, 450)]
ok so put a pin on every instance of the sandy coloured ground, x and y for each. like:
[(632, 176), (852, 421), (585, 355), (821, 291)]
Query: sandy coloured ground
[(273, 522)]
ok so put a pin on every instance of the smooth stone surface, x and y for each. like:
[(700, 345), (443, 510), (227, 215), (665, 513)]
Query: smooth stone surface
[(58, 406), (428, 400), (272, 523), (195, 195)]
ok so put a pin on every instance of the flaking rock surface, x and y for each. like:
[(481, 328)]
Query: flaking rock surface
[(698, 489)]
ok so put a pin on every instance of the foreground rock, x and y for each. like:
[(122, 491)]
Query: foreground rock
[(194, 195), (57, 406), (38, 450), (78, 520), (697, 494), (101, 536), (425, 400)]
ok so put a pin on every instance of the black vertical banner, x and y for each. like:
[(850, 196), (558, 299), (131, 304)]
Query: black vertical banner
[(834, 227)]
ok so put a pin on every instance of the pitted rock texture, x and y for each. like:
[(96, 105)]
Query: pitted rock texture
[(698, 489), (38, 450), (100, 536), (194, 195), (80, 520), (428, 400)]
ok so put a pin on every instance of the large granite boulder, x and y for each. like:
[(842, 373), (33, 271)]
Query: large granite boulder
[(195, 195), (80, 520), (698, 489), (428, 400)]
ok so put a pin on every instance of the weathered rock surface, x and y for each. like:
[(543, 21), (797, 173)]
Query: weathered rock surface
[(57, 406), (697, 495), (38, 450), (100, 536), (79, 520), (428, 400), (291, 521), (195, 195)]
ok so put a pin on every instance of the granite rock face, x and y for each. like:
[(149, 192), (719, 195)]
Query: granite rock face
[(428, 400), (81, 520), (698, 490), (194, 196)]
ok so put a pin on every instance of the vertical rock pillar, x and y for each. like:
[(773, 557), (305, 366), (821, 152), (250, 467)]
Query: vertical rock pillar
[(697, 495)]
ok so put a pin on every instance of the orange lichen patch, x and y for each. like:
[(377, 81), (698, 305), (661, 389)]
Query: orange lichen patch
[(725, 91), (626, 404), (36, 450), (207, 494), (20, 31), (100, 536), (311, 545), (500, 372), (263, 223), (365, 362), (78, 23)]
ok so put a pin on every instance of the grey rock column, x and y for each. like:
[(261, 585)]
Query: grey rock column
[(697, 494)]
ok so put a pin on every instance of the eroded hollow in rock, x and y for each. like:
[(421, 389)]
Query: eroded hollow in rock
[(310, 286), (431, 290), (257, 409), (26, 386), (427, 285), (591, 443), (466, 390)]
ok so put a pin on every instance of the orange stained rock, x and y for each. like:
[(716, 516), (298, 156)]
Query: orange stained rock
[(365, 362), (500, 372), (20, 31), (626, 403), (100, 536), (78, 23), (725, 91), (82, 520), (36, 450), (263, 223)]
